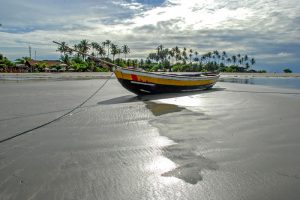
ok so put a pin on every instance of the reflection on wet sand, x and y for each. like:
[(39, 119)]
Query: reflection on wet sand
[(159, 109), (144, 98), (179, 124), (189, 163)]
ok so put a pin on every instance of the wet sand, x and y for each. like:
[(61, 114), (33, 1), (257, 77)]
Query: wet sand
[(53, 76), (232, 142)]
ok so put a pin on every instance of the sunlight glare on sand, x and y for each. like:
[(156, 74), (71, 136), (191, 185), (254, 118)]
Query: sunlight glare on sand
[(162, 165), (185, 101)]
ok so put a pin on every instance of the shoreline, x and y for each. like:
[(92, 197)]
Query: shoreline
[(89, 75), (55, 76), (275, 75), (268, 79)]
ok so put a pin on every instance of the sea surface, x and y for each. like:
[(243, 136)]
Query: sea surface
[(281, 82)]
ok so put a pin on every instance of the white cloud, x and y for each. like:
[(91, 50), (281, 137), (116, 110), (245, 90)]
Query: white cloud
[(127, 5), (284, 55), (257, 27), (194, 14)]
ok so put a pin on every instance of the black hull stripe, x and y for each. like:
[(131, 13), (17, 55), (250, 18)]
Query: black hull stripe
[(139, 89)]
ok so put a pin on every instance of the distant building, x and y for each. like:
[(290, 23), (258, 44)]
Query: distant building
[(20, 68), (49, 65)]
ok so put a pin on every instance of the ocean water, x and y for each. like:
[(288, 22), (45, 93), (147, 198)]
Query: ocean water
[(282, 82)]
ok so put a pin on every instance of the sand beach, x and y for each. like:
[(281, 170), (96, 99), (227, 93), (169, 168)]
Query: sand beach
[(235, 141)]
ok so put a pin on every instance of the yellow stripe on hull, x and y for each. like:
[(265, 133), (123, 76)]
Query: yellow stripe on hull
[(163, 81)]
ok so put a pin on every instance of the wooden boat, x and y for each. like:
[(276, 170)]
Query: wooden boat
[(140, 82)]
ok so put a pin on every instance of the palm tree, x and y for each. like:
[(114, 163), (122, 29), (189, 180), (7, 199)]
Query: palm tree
[(63, 48), (153, 57), (165, 57), (159, 51), (247, 66), (108, 43), (76, 47), (164, 54), (159, 48), (142, 63), (119, 52), (104, 45), (252, 61), (239, 56), (209, 54), (190, 55), (184, 55), (177, 53), (101, 51), (224, 54), (196, 59), (172, 54), (234, 59), (216, 56), (228, 60), (21, 60), (95, 46), (240, 61), (125, 50), (66, 60), (196, 54), (83, 47), (114, 50), (202, 59)]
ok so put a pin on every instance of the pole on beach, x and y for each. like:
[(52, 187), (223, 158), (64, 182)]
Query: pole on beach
[(29, 49)]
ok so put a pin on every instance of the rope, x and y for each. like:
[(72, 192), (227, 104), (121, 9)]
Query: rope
[(58, 118)]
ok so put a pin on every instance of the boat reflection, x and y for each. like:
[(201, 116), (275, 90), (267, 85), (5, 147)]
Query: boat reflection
[(171, 98)]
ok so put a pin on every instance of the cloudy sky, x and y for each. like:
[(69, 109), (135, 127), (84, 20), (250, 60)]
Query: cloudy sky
[(268, 30)]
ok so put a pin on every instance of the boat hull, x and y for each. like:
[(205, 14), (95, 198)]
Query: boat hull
[(150, 83), (140, 89)]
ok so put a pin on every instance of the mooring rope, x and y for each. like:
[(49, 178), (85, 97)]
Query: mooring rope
[(60, 117)]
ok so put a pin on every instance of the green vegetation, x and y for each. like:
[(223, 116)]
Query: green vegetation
[(161, 59), (22, 60), (177, 59), (106, 50), (5, 64), (287, 70)]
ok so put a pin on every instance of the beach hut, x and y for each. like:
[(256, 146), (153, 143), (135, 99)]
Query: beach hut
[(50, 65), (21, 68)]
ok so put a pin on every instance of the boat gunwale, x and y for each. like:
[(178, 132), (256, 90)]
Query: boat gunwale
[(171, 76)]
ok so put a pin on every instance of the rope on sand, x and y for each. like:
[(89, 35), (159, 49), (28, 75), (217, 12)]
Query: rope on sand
[(58, 118)]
